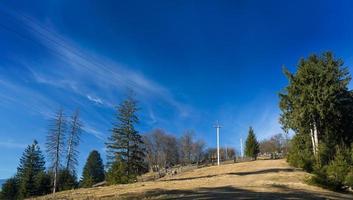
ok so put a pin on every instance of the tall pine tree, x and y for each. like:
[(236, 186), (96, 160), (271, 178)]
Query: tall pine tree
[(93, 171), (31, 165), (251, 145), (125, 144)]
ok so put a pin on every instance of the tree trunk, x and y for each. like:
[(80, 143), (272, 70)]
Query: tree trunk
[(316, 139), (313, 141)]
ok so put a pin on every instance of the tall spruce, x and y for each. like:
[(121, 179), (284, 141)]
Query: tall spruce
[(251, 145), (73, 142), (31, 165), (55, 144), (93, 171), (317, 103), (125, 144)]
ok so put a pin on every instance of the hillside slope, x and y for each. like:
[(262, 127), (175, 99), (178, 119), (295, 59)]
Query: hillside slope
[(263, 179)]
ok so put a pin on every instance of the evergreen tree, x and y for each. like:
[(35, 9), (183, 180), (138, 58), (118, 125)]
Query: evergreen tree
[(317, 103), (251, 145), (43, 183), (117, 173), (10, 189), (93, 171), (55, 144), (338, 169), (300, 154), (31, 165), (66, 180), (125, 144), (318, 107)]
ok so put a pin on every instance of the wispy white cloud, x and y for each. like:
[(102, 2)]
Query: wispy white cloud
[(90, 130), (84, 67), (12, 144), (95, 99), (20, 95)]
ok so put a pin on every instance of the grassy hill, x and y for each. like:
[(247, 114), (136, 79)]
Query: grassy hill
[(262, 179)]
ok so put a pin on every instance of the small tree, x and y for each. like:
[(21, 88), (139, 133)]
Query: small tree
[(251, 145), (43, 183), (67, 180), (117, 173), (338, 169), (10, 189), (31, 164), (93, 171)]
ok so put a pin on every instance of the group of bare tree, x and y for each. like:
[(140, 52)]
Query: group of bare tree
[(226, 153), (61, 144), (276, 144), (164, 150)]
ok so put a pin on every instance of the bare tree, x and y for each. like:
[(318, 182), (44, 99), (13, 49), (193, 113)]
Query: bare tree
[(172, 150), (161, 149), (198, 148), (186, 143), (276, 144), (73, 142), (55, 143), (224, 153)]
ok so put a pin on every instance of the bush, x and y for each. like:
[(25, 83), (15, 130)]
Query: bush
[(10, 189), (67, 180), (117, 174), (43, 183), (338, 174), (300, 154), (349, 178), (338, 169)]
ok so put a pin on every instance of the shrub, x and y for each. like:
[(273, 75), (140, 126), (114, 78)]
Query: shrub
[(117, 174), (338, 169), (43, 183), (300, 154), (349, 178), (67, 180), (10, 189)]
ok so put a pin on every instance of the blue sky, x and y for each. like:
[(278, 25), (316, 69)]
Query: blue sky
[(190, 64)]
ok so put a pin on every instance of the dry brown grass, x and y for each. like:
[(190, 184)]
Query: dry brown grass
[(263, 179)]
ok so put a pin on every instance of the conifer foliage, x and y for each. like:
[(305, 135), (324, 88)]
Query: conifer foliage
[(318, 107), (31, 165), (125, 144), (93, 171), (30, 178), (10, 189), (251, 145)]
